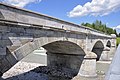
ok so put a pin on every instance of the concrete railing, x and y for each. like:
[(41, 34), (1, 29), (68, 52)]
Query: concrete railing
[(114, 69)]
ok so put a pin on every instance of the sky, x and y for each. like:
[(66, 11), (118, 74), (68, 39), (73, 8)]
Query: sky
[(76, 11)]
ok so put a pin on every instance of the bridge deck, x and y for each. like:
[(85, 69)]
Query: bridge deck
[(26, 17)]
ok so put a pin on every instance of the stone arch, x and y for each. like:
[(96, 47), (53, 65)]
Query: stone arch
[(98, 49), (66, 47), (64, 54), (108, 44)]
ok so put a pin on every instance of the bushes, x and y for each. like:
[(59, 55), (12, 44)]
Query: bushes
[(118, 40)]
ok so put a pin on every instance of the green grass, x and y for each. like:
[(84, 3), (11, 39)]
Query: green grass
[(118, 40)]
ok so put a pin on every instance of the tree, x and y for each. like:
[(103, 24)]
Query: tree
[(98, 25), (115, 32), (119, 35), (82, 24)]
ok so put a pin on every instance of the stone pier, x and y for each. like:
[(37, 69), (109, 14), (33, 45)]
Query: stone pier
[(88, 67)]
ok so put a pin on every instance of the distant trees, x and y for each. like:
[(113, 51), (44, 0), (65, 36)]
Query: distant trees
[(98, 25), (119, 35)]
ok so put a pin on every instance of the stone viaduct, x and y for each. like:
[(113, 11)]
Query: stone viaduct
[(23, 31)]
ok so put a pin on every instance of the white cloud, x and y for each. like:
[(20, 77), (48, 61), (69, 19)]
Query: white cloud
[(20, 3), (118, 27), (95, 8)]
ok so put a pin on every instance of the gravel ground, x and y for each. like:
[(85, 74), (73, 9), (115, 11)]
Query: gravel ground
[(21, 71), (35, 71)]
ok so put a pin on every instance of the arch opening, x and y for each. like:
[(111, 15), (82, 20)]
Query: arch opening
[(98, 49), (108, 44), (64, 55)]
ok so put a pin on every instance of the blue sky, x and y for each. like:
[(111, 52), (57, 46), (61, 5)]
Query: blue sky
[(76, 11)]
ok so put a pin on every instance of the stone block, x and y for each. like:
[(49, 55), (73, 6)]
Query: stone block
[(88, 67), (105, 54), (24, 50), (90, 55), (29, 31), (17, 29), (12, 60), (16, 42), (5, 65), (2, 51), (3, 28), (18, 54), (6, 35), (112, 52), (5, 42)]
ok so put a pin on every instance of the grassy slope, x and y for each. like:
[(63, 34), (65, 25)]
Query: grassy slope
[(118, 40)]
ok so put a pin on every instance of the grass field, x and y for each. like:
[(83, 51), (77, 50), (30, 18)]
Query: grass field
[(118, 40)]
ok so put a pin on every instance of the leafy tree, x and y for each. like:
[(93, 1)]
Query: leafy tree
[(115, 32), (82, 24), (119, 35), (98, 25)]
